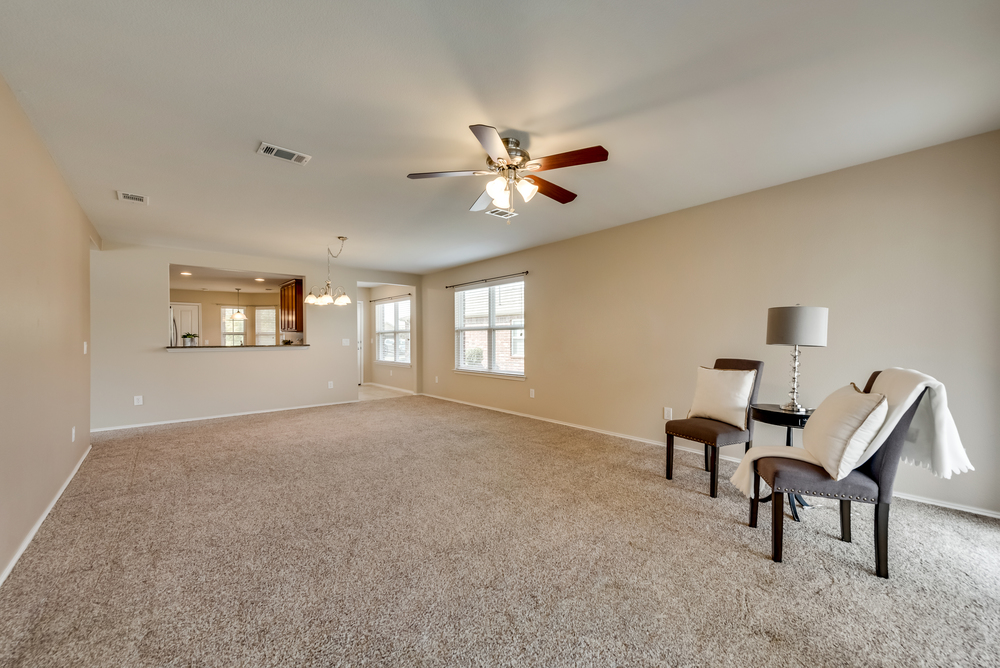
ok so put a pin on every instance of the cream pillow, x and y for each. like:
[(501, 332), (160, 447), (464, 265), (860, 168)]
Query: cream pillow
[(723, 395), (843, 426)]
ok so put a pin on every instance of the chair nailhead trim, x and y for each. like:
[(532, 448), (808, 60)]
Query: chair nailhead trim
[(863, 499)]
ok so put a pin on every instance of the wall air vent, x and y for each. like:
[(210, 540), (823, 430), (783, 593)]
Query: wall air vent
[(132, 197), (283, 153), (501, 213)]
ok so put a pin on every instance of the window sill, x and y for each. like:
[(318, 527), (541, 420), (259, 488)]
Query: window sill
[(205, 349), (490, 374), (405, 365)]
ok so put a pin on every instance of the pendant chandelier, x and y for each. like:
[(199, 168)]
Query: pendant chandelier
[(238, 315), (326, 296)]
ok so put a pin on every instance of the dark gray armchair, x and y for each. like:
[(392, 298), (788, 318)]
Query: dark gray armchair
[(869, 483), (714, 434)]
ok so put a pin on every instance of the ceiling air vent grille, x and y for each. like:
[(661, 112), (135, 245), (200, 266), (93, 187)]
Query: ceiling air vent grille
[(285, 154), (501, 213), (132, 197)]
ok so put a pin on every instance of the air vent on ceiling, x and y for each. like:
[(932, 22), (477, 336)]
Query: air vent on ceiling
[(132, 197), (283, 153), (501, 213)]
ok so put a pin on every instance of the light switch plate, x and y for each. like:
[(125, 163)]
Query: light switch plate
[(347, 342)]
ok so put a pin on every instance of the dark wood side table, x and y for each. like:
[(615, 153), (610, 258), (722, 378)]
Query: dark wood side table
[(776, 415)]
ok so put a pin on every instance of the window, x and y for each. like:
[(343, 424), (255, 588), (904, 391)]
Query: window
[(233, 331), (392, 332), (265, 332), (489, 329)]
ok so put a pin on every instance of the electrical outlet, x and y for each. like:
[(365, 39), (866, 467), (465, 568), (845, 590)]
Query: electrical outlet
[(137, 400), (668, 413), (435, 379), (329, 385), (531, 394), (73, 437), (347, 342)]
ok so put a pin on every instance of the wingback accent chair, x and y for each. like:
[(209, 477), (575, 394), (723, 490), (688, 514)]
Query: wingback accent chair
[(869, 483), (712, 433)]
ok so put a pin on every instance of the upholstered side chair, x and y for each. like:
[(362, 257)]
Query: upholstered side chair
[(712, 433), (869, 483)]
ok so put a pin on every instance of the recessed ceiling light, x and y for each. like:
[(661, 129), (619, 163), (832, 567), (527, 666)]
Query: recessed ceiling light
[(259, 280), (185, 273)]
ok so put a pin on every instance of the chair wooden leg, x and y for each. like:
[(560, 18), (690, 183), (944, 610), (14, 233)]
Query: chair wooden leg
[(670, 457), (755, 501), (845, 520), (714, 488), (777, 525), (882, 540), (708, 460)]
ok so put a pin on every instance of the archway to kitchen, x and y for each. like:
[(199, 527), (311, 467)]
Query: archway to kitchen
[(387, 340)]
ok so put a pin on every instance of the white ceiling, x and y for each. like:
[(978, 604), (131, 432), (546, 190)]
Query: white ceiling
[(225, 280), (695, 101)]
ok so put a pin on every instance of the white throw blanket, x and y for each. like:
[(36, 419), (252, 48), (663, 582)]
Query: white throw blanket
[(931, 442)]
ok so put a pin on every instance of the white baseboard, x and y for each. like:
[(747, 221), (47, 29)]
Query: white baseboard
[(215, 417), (390, 387), (912, 497), (31, 534), (946, 504)]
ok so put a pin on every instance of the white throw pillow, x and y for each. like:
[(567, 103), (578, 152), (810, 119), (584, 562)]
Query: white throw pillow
[(843, 426), (723, 395)]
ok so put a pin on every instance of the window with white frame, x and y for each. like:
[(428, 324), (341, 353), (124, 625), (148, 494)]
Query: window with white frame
[(489, 329), (233, 331), (265, 326), (392, 331)]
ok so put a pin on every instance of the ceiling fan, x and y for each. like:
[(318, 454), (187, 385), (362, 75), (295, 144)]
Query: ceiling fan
[(515, 170)]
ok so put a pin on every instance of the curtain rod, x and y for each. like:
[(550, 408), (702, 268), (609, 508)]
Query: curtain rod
[(485, 280), (382, 299)]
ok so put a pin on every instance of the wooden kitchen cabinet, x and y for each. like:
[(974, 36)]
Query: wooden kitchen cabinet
[(290, 313)]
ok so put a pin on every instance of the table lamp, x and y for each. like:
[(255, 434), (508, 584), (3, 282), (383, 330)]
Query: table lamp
[(796, 326)]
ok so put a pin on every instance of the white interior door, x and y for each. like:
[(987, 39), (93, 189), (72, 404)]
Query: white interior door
[(187, 318)]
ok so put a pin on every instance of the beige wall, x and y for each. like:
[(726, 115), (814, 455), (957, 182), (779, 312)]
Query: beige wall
[(904, 251), (212, 304), (130, 288), (44, 375), (381, 373)]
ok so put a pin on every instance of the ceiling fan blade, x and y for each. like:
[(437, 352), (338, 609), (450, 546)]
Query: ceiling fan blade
[(490, 139), (550, 189), (582, 156), (482, 203), (438, 175)]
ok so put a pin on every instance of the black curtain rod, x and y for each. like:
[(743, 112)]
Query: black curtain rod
[(382, 299), (485, 280)]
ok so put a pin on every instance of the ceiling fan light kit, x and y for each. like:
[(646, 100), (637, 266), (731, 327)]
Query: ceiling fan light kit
[(506, 159)]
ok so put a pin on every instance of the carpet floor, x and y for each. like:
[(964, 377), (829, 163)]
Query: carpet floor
[(419, 532)]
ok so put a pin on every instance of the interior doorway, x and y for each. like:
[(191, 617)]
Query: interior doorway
[(387, 339)]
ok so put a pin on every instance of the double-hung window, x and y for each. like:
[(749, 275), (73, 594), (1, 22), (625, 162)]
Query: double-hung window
[(489, 329), (265, 326), (392, 331), (233, 331)]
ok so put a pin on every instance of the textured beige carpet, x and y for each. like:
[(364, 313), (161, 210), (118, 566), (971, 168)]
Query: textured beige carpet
[(418, 532)]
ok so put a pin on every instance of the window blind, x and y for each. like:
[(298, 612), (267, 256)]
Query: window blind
[(392, 331), (489, 329)]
